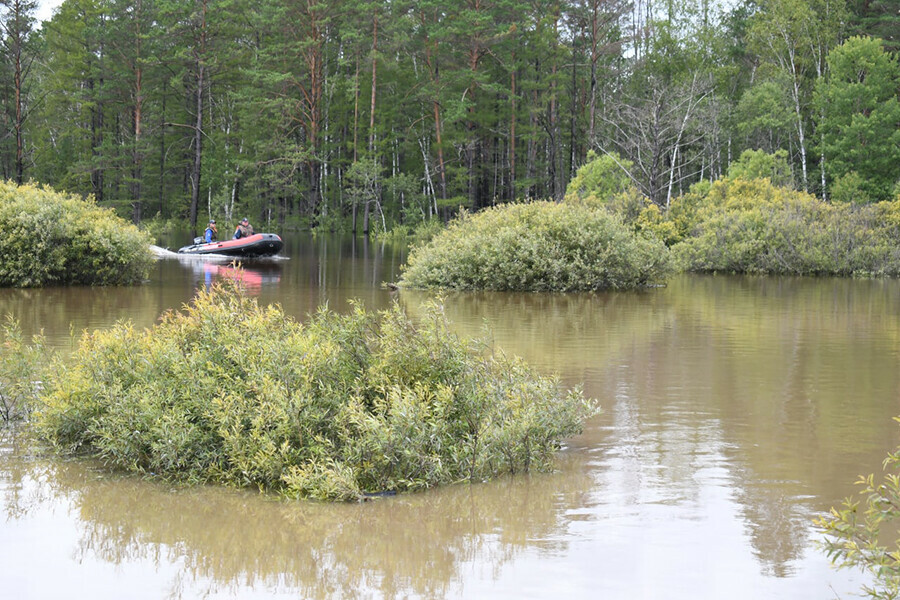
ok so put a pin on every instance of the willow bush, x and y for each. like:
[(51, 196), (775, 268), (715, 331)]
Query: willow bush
[(230, 392), (51, 238), (863, 532), (752, 226), (539, 246), (600, 179), (23, 367)]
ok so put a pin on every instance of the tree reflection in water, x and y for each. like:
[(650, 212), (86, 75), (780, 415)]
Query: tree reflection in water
[(399, 546), (735, 409)]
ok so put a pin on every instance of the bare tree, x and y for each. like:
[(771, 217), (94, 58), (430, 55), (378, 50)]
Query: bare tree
[(653, 128)]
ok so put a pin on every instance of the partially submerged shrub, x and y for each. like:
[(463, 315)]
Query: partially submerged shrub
[(22, 369), (228, 391), (50, 238), (752, 226), (863, 531), (539, 246), (643, 215)]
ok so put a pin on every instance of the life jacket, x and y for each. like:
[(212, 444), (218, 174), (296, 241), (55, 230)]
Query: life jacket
[(243, 231)]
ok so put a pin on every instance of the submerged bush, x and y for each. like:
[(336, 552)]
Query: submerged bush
[(50, 238), (752, 226), (863, 531), (539, 246), (228, 391), (22, 369)]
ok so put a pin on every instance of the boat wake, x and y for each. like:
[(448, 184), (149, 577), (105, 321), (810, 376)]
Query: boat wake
[(160, 253)]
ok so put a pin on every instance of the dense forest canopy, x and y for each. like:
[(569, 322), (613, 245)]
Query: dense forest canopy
[(374, 112)]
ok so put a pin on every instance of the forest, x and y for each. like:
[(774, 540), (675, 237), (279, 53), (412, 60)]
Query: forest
[(364, 114)]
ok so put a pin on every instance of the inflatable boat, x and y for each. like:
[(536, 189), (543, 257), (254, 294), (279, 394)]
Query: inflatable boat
[(253, 246)]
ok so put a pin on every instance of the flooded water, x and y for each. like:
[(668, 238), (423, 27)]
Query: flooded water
[(735, 410)]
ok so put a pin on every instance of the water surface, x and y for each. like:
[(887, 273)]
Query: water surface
[(735, 410)]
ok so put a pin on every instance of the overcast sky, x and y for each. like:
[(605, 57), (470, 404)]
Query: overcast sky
[(45, 9)]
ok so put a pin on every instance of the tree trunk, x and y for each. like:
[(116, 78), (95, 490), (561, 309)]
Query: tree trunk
[(372, 122), (17, 43), (512, 131), (136, 154), (198, 146), (434, 71), (200, 64)]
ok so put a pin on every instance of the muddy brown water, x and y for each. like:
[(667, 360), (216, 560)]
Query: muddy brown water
[(735, 410)]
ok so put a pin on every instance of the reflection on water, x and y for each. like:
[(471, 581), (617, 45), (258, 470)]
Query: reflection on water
[(250, 276), (413, 544), (310, 272), (735, 409)]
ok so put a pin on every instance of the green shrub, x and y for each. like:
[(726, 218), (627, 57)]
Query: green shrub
[(420, 233), (159, 228), (22, 369), (604, 182), (540, 246), (758, 164), (850, 188), (51, 238), (862, 533), (228, 391), (599, 179), (752, 226)]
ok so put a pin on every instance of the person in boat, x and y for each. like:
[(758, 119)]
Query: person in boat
[(211, 234), (244, 229)]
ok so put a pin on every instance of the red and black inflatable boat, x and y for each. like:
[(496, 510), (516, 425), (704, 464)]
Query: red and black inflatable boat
[(253, 246)]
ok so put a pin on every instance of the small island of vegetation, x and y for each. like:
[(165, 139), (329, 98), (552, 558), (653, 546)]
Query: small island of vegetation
[(230, 392), (540, 246), (52, 238), (607, 235)]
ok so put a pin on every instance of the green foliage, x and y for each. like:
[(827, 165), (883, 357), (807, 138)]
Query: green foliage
[(757, 164), (158, 227), (653, 222), (227, 391), (752, 226), (850, 187), (860, 115), (52, 238), (860, 533), (600, 179), (763, 115), (640, 213), (540, 246), (878, 19), (421, 233), (683, 212), (22, 369), (459, 104)]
